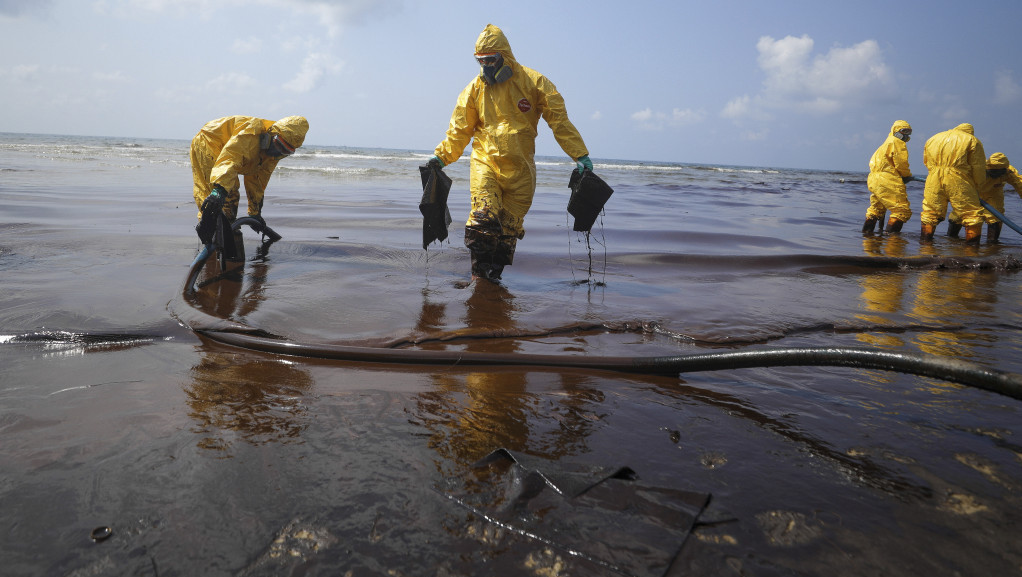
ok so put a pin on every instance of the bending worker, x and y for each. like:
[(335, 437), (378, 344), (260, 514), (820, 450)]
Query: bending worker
[(957, 166), (241, 145), (888, 173), (499, 111), (999, 172)]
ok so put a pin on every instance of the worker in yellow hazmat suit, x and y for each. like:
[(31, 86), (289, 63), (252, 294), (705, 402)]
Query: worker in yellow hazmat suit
[(888, 173), (957, 166), (999, 173), (241, 145), (499, 112)]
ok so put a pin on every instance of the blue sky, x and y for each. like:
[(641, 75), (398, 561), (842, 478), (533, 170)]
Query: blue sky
[(796, 84)]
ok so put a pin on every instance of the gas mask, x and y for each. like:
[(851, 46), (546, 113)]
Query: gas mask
[(274, 145), (905, 134), (494, 69)]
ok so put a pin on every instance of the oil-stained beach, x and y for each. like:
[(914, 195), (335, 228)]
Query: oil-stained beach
[(208, 459)]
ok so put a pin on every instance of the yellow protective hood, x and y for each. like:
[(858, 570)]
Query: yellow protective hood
[(966, 127), (997, 160), (492, 40), (292, 129), (900, 125)]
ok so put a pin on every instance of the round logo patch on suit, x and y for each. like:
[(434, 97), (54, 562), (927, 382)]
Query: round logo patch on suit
[(524, 105)]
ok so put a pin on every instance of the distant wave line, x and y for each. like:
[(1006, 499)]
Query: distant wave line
[(334, 169)]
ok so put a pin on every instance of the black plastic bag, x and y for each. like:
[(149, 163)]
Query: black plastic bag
[(436, 217), (588, 195)]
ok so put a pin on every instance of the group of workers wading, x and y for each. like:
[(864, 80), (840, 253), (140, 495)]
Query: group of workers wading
[(498, 111), (959, 174)]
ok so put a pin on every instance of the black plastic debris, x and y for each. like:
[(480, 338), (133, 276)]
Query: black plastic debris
[(607, 519), (436, 217), (588, 196)]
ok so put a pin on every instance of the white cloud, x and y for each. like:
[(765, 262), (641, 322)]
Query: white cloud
[(953, 113), (648, 119), (746, 108), (825, 83), (334, 14), (596, 115), (643, 115), (681, 117), (314, 68), (115, 76), (1006, 90), (737, 108), (25, 72), (232, 82), (820, 84), (249, 45)]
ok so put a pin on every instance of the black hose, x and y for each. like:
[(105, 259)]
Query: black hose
[(196, 267), (962, 372), (957, 371), (256, 225), (207, 249)]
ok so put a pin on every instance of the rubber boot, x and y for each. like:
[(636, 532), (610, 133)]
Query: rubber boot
[(483, 266), (482, 240), (953, 228), (994, 231), (238, 248), (894, 224), (869, 225), (973, 232), (926, 231)]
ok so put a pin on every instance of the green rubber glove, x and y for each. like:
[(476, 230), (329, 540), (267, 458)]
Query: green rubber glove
[(436, 159), (584, 163)]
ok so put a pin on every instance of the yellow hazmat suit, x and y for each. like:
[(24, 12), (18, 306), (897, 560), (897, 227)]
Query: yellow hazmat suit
[(887, 170), (228, 147), (957, 166), (501, 119), (992, 189)]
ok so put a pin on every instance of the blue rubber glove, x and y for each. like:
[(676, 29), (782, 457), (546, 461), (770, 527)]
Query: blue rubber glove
[(437, 160), (584, 163), (215, 200)]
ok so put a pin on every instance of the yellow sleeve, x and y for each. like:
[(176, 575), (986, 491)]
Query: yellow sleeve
[(978, 161), (556, 116), (899, 159), (464, 120), (255, 185), (235, 154), (1014, 180)]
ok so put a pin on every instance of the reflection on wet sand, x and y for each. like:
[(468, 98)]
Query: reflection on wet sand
[(470, 414), (955, 295), (944, 299), (882, 292), (235, 395), (257, 400)]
